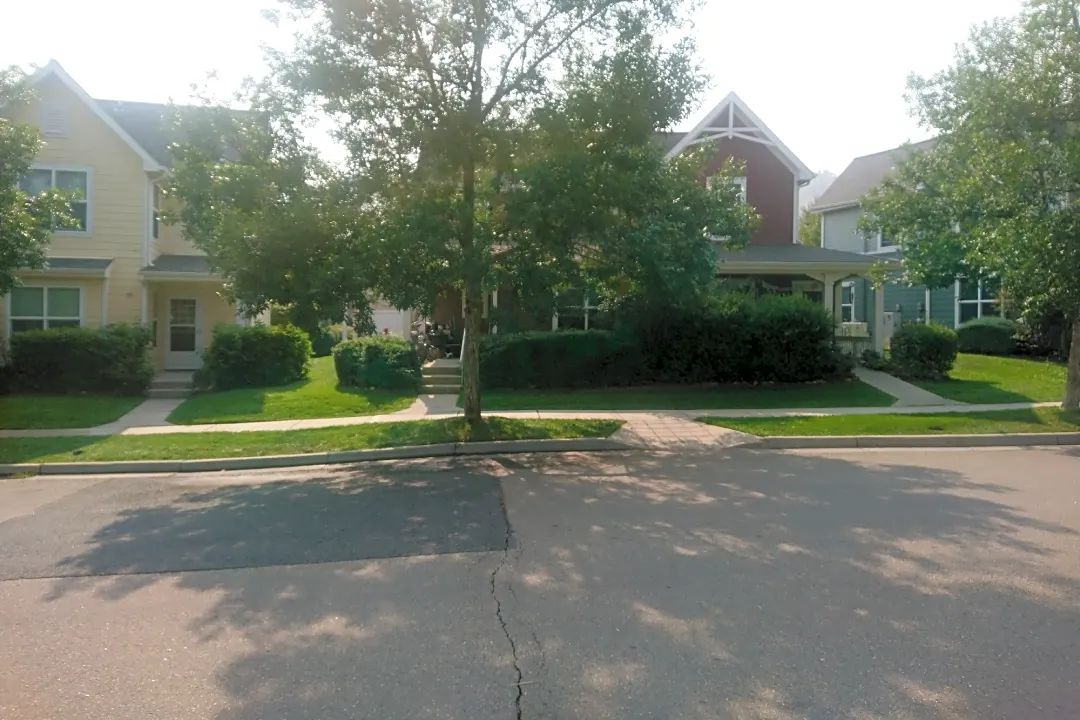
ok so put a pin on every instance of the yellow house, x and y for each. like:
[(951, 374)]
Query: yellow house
[(121, 265)]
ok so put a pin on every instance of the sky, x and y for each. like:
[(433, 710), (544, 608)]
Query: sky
[(826, 76)]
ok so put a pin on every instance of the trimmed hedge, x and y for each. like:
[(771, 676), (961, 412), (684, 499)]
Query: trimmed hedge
[(561, 359), (323, 341), (733, 338), (255, 356), (923, 352), (377, 362), (987, 336), (114, 360)]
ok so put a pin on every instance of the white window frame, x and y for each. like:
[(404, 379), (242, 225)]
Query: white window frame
[(978, 302), (585, 306), (89, 171), (847, 284), (739, 182), (879, 238), (10, 324)]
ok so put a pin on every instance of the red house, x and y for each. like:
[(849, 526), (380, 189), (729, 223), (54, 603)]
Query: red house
[(773, 261)]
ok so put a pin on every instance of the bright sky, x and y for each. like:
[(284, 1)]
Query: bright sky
[(827, 76)]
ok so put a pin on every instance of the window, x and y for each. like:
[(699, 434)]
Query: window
[(975, 300), (40, 308), (847, 302), (883, 241), (578, 310), (40, 179), (738, 182)]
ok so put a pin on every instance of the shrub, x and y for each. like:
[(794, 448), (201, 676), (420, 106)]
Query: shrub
[(924, 352), (255, 356), (739, 338), (377, 362), (324, 340), (987, 336), (1044, 329), (562, 359), (114, 360), (872, 360), (7, 372)]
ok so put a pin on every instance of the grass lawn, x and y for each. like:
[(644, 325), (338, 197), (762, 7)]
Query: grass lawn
[(820, 395), (183, 446), (317, 397), (23, 412), (1007, 421), (986, 379)]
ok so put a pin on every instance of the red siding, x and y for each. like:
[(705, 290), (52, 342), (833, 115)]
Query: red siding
[(769, 188)]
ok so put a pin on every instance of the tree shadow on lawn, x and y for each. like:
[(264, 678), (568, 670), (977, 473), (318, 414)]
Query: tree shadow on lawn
[(739, 584), (977, 392)]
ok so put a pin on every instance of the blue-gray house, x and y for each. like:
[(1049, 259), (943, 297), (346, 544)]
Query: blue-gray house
[(839, 210)]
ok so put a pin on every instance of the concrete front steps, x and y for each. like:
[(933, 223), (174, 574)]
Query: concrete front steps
[(441, 377), (171, 385)]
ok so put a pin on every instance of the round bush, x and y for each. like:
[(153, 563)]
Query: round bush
[(377, 362), (255, 356), (113, 360), (924, 352), (987, 336)]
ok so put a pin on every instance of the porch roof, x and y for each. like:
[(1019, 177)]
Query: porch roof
[(783, 259), (69, 266), (180, 267)]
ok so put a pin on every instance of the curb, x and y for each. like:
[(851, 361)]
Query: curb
[(496, 447), (820, 442)]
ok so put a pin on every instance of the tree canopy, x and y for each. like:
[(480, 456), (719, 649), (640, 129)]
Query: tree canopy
[(489, 144), (26, 221), (809, 228), (997, 196)]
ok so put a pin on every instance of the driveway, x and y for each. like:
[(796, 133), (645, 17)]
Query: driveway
[(741, 584)]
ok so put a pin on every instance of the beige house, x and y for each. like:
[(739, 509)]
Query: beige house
[(121, 265)]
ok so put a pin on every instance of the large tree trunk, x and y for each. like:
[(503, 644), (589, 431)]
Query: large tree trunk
[(470, 351), (1072, 381)]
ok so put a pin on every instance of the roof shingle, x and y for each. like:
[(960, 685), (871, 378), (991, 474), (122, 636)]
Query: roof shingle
[(864, 174)]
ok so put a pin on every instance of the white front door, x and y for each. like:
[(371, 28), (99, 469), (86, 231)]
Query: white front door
[(182, 348)]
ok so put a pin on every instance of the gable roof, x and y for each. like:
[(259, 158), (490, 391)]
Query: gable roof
[(53, 69), (733, 118), (145, 123), (863, 175)]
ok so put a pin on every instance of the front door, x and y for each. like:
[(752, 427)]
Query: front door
[(182, 351)]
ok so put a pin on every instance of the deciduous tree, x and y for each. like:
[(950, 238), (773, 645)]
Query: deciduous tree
[(998, 195)]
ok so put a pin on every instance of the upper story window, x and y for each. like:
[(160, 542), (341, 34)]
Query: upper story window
[(738, 182), (41, 308), (884, 242), (75, 180), (976, 300)]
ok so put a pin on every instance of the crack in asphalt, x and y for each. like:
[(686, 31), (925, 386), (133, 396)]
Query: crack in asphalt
[(502, 621)]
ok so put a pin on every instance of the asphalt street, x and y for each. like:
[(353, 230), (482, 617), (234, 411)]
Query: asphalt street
[(739, 584)]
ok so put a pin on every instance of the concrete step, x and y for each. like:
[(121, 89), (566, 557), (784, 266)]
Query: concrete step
[(433, 389), (167, 393), (166, 384), (441, 371)]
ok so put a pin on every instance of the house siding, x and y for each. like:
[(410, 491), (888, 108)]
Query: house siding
[(906, 303), (840, 231), (769, 188), (118, 211), (943, 306)]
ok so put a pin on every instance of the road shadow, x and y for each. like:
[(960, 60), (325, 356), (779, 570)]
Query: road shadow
[(738, 584), (748, 584)]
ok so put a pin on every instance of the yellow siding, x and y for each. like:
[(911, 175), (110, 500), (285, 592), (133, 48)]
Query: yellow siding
[(214, 310), (118, 187), (171, 240)]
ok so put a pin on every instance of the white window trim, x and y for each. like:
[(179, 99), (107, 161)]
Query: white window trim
[(847, 284), (979, 301), (89, 170), (878, 248), (45, 318), (740, 181), (586, 307)]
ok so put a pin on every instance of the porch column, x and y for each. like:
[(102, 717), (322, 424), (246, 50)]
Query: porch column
[(829, 296), (494, 306), (145, 309), (838, 303), (105, 300), (879, 319)]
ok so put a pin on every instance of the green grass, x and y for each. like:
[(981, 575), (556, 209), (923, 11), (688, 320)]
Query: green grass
[(819, 395), (189, 446), (984, 379), (317, 397), (1008, 421), (23, 412)]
